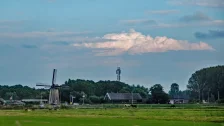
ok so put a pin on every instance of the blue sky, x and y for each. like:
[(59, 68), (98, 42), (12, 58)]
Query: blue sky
[(161, 41)]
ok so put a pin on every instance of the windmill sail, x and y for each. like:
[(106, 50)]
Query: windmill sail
[(54, 77), (42, 84)]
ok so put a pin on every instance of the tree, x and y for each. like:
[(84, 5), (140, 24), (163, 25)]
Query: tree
[(205, 82), (21, 92), (125, 90), (158, 95), (212, 98), (95, 99), (174, 90)]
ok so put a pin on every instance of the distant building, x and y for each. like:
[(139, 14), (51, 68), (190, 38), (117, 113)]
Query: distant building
[(34, 100), (14, 102), (11, 102), (123, 97), (179, 100)]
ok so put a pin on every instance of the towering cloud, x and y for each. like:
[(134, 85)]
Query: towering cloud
[(134, 42)]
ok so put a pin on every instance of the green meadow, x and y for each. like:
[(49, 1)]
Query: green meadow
[(114, 117)]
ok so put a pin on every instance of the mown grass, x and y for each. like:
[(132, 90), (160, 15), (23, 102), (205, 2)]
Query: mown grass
[(157, 106), (114, 117), (86, 121)]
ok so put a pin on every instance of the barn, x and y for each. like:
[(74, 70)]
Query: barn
[(34, 101), (123, 97)]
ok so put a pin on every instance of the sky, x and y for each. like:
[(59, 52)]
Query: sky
[(154, 42)]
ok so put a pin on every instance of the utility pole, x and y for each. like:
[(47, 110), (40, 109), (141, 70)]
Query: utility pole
[(218, 83), (208, 96), (83, 99), (59, 96), (132, 97), (41, 98), (199, 93), (70, 96), (83, 96), (202, 97), (218, 95)]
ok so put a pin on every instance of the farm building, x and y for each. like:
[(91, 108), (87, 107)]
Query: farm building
[(123, 97), (11, 102), (179, 100), (33, 101), (14, 102)]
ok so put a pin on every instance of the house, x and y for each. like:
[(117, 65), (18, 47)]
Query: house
[(11, 102), (123, 97), (33, 101), (179, 99), (14, 102)]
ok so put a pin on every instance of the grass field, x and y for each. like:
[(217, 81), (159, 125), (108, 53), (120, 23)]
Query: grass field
[(114, 117)]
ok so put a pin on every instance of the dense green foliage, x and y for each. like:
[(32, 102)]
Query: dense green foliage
[(21, 92), (207, 84), (95, 91), (158, 95), (174, 90)]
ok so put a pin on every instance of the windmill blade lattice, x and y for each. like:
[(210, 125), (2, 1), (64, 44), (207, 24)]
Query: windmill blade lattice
[(54, 76), (43, 85)]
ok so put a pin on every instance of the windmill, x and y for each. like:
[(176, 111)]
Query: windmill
[(54, 89)]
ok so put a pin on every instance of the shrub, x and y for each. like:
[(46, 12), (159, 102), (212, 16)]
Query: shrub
[(220, 101), (172, 106), (65, 107)]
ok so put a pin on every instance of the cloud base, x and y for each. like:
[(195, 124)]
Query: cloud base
[(133, 42)]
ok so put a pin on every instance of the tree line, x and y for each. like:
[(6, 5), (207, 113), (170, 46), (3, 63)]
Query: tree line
[(205, 84)]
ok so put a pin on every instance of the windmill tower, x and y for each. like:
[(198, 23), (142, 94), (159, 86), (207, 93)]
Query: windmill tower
[(54, 89), (118, 72)]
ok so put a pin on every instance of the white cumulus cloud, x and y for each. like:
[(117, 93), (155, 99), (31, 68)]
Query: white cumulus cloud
[(134, 42)]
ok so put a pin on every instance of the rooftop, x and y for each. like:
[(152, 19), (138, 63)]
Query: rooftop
[(123, 96), (34, 100)]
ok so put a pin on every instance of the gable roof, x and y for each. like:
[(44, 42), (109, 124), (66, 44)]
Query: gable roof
[(185, 97), (14, 102), (34, 100), (123, 96)]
